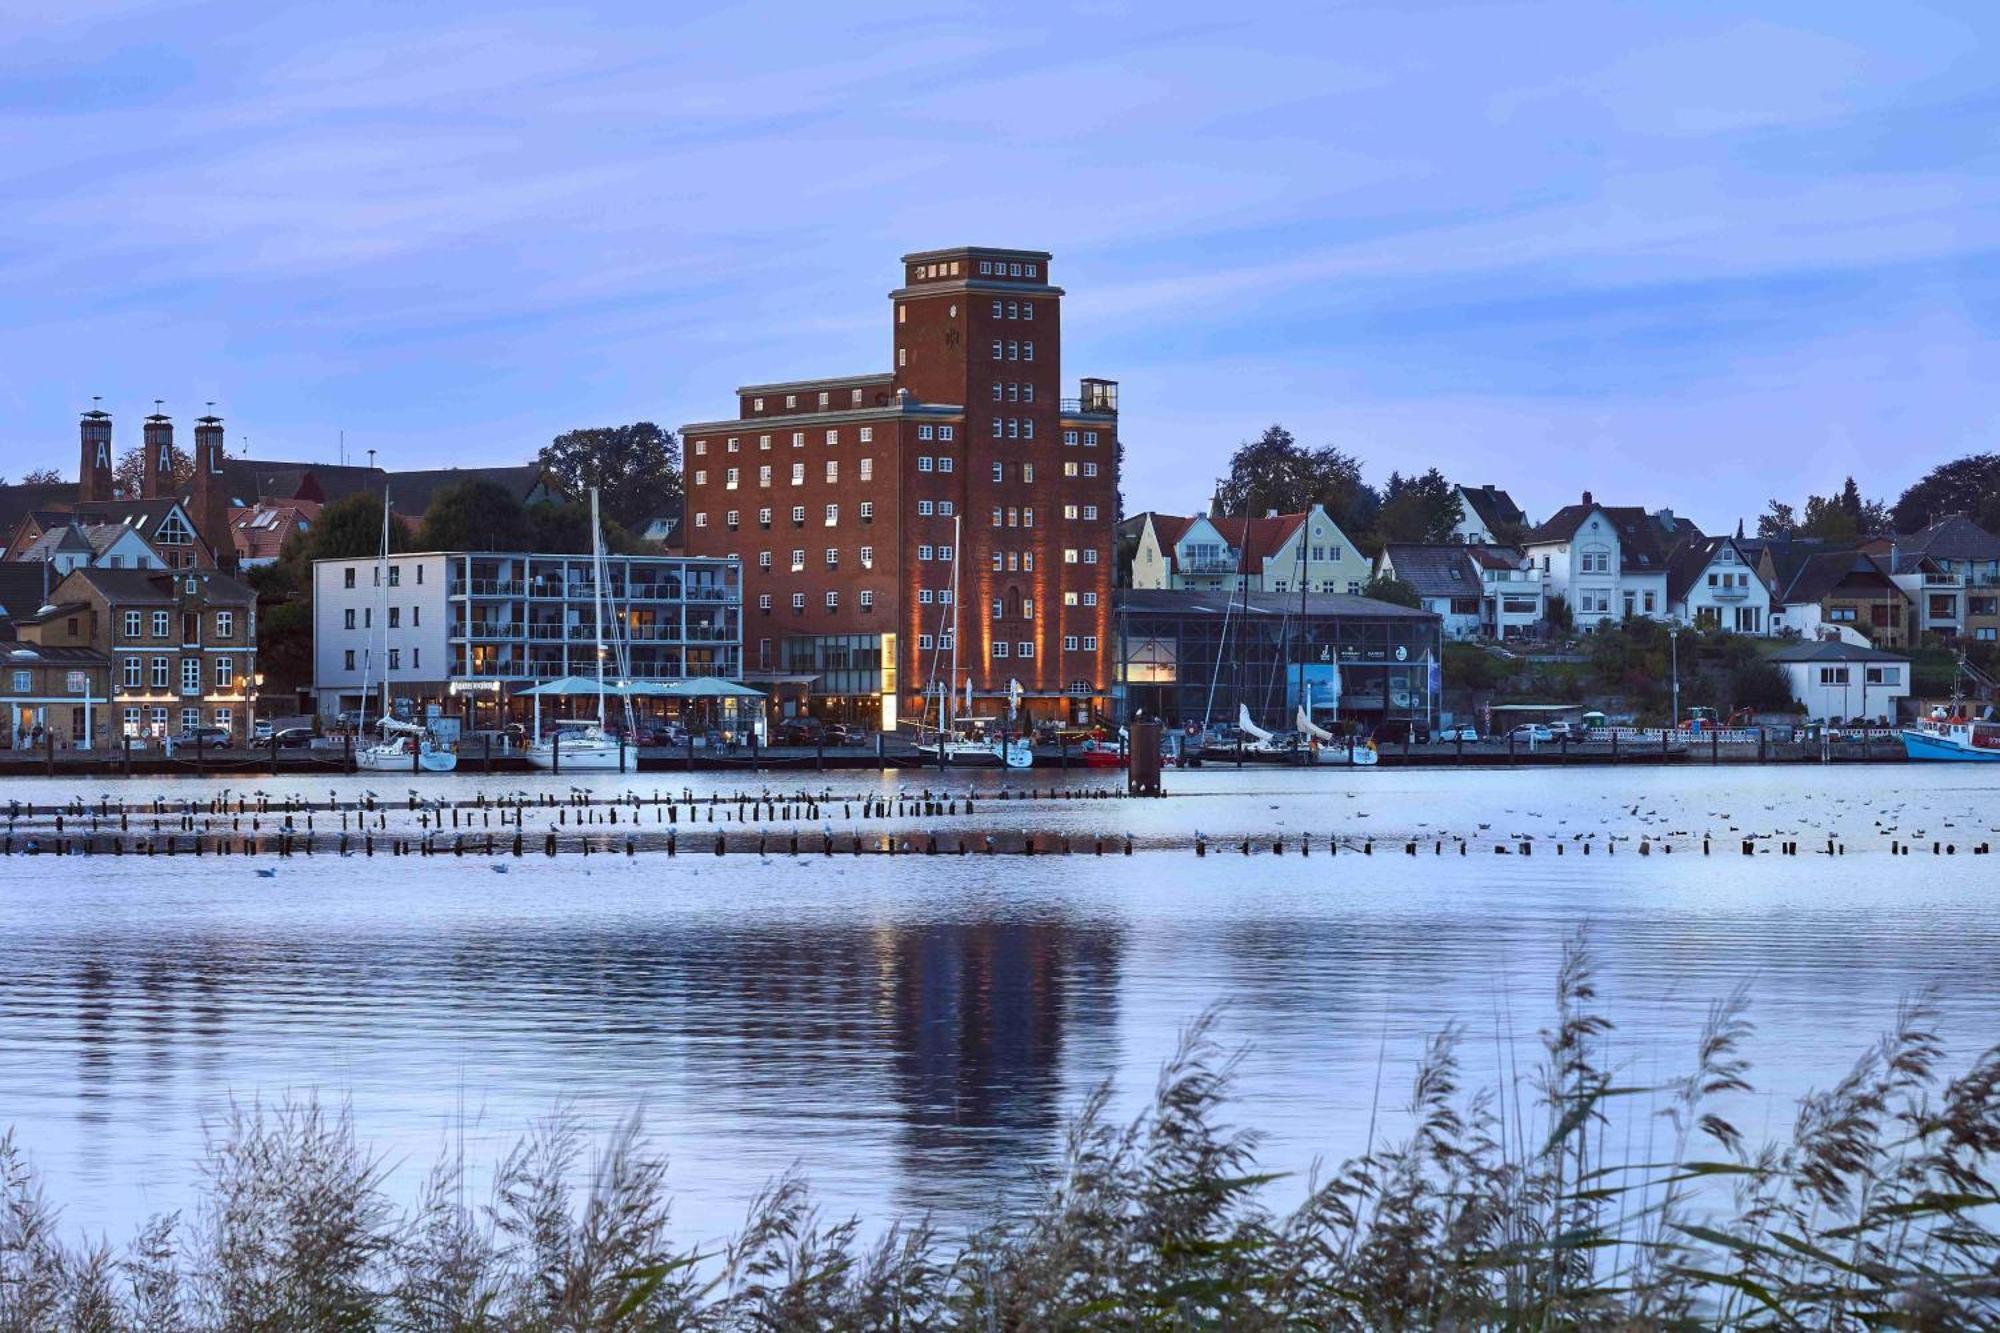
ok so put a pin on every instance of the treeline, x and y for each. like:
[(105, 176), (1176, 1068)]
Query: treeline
[(1274, 472)]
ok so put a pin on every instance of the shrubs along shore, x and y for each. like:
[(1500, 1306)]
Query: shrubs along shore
[(1503, 1208)]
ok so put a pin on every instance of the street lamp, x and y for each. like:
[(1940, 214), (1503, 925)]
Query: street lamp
[(1674, 652)]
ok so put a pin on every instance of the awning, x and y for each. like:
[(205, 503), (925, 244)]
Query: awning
[(705, 687)]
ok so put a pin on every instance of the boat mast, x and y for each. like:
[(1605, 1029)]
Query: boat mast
[(382, 612), (956, 543), (597, 599), (1305, 581)]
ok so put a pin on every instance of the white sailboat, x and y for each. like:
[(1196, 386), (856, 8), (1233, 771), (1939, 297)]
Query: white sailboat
[(1327, 748), (585, 746), (405, 747)]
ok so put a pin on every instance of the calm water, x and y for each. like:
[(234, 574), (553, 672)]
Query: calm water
[(913, 1031)]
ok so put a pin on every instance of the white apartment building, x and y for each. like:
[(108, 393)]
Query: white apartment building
[(1608, 563)]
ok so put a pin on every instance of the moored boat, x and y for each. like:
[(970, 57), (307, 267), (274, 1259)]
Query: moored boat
[(1953, 738)]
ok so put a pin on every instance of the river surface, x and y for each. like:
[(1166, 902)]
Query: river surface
[(913, 1031)]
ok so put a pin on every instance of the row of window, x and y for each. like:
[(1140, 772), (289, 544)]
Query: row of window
[(733, 444), (1013, 428), (942, 463), (395, 659), (395, 576), (944, 434), (825, 401), (395, 617), (1004, 268), (135, 720), (832, 519), (1013, 391), (1011, 350), (1013, 310), (1876, 675), (935, 509), (136, 675), (866, 599), (163, 623), (832, 558), (934, 553), (731, 477), (1089, 438)]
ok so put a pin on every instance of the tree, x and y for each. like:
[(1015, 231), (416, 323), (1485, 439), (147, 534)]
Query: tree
[(42, 476), (1969, 485), (1778, 522), (1392, 590), (564, 529), (1418, 509), (1555, 610), (349, 529), (1274, 472), (636, 468), (285, 646), (476, 516), (129, 476)]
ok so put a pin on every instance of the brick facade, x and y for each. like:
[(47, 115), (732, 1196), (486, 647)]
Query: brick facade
[(965, 447)]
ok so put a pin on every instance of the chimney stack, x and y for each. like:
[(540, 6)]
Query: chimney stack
[(1587, 499), (211, 495), (157, 470), (93, 475)]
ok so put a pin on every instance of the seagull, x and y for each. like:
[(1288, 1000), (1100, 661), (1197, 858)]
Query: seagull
[(498, 869), (267, 874)]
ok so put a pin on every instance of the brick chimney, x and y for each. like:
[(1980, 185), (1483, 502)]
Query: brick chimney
[(211, 493), (157, 458), (1586, 498), (93, 474)]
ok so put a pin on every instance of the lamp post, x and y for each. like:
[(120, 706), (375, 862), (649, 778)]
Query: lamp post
[(1674, 652)]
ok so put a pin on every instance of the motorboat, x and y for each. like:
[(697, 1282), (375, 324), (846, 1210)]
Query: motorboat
[(1953, 737), (401, 741), (967, 751), (1327, 748)]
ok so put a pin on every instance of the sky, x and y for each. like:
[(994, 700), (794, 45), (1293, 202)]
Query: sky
[(1684, 254)]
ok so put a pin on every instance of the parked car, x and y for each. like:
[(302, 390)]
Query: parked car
[(1532, 732), (211, 737), (1456, 735), (1401, 730), (261, 731), (800, 731), (840, 733), (291, 738)]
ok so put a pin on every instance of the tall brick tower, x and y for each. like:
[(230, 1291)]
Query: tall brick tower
[(157, 457), (211, 494), (93, 474)]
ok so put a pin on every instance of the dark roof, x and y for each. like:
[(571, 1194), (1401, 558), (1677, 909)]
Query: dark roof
[(24, 586), (1821, 573), (1434, 569), (49, 611), (1645, 540), (250, 480), (1833, 650), (1953, 538), (1166, 601), (1688, 561), (159, 585), (1493, 506), (56, 654), (19, 500)]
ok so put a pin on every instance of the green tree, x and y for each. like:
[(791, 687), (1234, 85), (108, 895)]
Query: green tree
[(1778, 522), (351, 528), (1392, 590), (1418, 509), (129, 476), (564, 529), (1275, 472), (42, 476), (1969, 485), (285, 647), (476, 516), (1555, 610), (1467, 666), (636, 468)]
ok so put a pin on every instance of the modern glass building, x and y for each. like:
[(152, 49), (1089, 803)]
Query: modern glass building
[(455, 628), (1190, 657)]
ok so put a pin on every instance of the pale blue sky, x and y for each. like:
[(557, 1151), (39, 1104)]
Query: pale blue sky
[(1676, 253)]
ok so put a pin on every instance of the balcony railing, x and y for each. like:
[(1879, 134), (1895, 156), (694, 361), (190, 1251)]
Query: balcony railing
[(1216, 566), (1077, 407), (1943, 581)]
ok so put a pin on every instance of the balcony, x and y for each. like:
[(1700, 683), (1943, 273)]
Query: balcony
[(1729, 594), (1215, 566), (1943, 581)]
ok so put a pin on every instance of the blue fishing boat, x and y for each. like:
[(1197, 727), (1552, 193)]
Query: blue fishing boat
[(1954, 738)]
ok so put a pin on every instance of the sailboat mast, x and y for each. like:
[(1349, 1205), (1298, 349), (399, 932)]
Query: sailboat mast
[(382, 612), (956, 543), (1305, 580), (597, 599)]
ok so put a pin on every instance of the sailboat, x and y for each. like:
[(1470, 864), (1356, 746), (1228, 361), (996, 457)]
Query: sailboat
[(582, 745), (402, 742), (956, 741)]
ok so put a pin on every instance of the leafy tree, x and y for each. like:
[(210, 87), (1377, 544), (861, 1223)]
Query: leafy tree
[(564, 529), (1394, 590), (1969, 485), (476, 515), (1778, 522), (1555, 610), (284, 645), (129, 475), (351, 528), (1470, 667), (1274, 472), (42, 476), (1418, 509), (636, 468)]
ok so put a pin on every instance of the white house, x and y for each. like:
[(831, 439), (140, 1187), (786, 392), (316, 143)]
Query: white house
[(1950, 571), (1838, 681), (1487, 516), (1713, 584), (110, 545), (1607, 562), (1478, 591), (1271, 554)]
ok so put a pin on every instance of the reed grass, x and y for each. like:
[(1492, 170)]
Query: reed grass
[(1494, 1209)]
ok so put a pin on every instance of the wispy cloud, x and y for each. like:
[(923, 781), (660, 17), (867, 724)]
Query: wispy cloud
[(1710, 256)]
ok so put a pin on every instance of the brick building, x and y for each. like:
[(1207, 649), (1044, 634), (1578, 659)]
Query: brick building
[(856, 504)]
